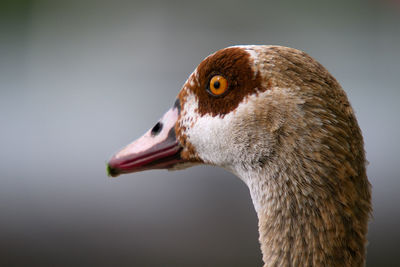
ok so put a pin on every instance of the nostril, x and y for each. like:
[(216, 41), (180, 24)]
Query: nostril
[(156, 129)]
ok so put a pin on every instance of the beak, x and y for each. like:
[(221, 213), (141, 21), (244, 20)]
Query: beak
[(156, 149)]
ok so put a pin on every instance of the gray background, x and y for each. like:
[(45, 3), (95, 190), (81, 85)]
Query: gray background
[(80, 79)]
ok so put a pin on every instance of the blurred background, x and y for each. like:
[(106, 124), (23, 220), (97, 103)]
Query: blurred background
[(80, 79)]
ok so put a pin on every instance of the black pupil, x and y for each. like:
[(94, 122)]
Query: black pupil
[(216, 84), (156, 129)]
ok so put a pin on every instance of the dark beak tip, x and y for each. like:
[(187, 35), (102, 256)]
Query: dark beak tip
[(111, 172)]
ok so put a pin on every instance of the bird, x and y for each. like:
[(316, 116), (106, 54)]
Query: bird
[(277, 119)]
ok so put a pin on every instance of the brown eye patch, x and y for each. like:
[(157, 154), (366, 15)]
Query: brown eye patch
[(234, 65)]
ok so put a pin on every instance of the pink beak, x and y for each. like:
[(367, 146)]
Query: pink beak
[(158, 148)]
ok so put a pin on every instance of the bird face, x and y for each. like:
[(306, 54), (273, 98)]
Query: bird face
[(230, 112), (206, 120)]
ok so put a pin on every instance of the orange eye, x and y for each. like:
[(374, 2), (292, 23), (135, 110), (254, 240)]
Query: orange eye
[(218, 85)]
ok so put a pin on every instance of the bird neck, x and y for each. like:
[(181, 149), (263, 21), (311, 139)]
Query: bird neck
[(301, 223)]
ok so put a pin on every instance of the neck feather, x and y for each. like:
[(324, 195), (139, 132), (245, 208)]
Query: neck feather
[(306, 222)]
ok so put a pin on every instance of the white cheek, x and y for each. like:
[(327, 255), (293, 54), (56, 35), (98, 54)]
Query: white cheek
[(209, 135), (212, 139), (215, 139)]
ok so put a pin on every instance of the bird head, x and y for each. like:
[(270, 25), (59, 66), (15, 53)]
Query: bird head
[(242, 108)]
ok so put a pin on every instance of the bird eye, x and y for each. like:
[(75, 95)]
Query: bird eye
[(218, 85)]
